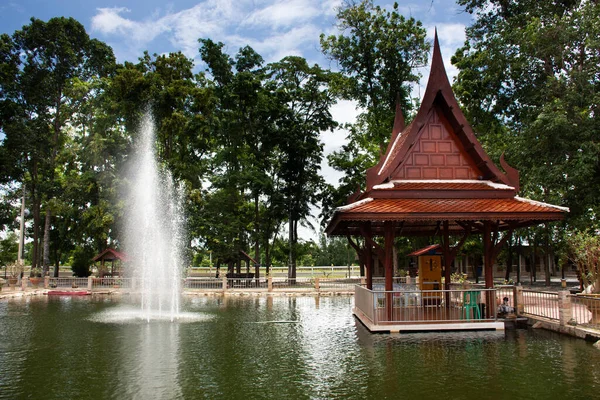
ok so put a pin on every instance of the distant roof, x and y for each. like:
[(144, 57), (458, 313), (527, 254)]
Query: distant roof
[(111, 254), (424, 250)]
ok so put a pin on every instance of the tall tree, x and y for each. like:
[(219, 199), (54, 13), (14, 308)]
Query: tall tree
[(377, 52), (305, 91), (39, 65), (529, 80)]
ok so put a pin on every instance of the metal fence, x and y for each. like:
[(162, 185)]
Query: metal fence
[(585, 310), (426, 306), (68, 282), (541, 304), (203, 283)]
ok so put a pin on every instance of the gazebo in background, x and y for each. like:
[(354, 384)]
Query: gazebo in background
[(435, 179), (114, 257)]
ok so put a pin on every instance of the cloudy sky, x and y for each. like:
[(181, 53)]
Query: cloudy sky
[(274, 28)]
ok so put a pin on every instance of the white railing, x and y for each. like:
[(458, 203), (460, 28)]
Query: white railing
[(427, 306), (203, 283), (585, 310), (68, 282), (541, 304)]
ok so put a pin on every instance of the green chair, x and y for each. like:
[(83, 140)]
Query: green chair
[(470, 303)]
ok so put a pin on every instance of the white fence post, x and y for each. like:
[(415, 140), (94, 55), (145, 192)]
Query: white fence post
[(90, 283)]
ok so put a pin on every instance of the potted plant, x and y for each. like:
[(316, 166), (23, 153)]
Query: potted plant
[(13, 270), (36, 276)]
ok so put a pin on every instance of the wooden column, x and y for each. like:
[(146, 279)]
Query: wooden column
[(365, 230), (447, 256), (369, 266), (488, 266), (447, 260), (389, 267)]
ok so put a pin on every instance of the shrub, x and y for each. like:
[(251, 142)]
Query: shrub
[(82, 259)]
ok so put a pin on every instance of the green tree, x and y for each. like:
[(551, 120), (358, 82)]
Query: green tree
[(9, 247), (377, 53), (40, 64), (305, 91), (529, 83)]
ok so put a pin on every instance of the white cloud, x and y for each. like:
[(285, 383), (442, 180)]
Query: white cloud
[(290, 26), (282, 14), (109, 21)]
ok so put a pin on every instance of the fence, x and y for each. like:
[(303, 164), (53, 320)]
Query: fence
[(585, 310), (68, 282), (426, 306), (541, 304)]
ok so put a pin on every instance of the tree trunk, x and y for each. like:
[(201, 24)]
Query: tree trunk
[(57, 264), (267, 258), (257, 236), (292, 250), (36, 229), (46, 258), (509, 260), (520, 251), (533, 261), (547, 255)]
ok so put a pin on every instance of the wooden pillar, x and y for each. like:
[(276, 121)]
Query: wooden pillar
[(447, 260), (368, 254), (389, 267), (488, 267), (369, 266), (446, 255)]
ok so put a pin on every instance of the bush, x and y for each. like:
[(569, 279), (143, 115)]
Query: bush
[(82, 259), (584, 253)]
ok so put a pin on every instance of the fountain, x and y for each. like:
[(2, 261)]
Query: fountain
[(154, 230)]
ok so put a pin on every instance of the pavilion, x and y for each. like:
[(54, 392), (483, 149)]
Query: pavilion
[(114, 257), (435, 179)]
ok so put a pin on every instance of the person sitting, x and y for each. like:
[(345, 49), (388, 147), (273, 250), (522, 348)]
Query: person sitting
[(504, 309)]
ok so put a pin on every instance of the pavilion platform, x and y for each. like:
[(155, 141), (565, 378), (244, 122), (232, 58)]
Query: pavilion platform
[(422, 311)]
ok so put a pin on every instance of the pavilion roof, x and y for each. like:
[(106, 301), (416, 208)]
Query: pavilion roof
[(111, 254), (432, 248), (436, 170)]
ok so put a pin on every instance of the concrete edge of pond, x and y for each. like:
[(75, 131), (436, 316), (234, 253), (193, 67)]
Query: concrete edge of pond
[(580, 332)]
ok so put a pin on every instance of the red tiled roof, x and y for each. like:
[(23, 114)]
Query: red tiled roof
[(449, 206), (424, 250), (111, 254)]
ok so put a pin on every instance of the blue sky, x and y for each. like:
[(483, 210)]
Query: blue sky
[(274, 28)]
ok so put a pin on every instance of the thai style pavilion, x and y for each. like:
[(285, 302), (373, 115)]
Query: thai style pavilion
[(435, 179)]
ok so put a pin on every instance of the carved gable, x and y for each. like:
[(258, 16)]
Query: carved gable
[(436, 154)]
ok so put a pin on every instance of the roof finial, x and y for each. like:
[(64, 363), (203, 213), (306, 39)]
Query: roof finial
[(437, 61)]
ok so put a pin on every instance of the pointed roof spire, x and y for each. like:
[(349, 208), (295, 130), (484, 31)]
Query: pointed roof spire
[(437, 62)]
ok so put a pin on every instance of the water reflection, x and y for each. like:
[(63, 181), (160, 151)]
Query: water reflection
[(150, 362), (70, 349)]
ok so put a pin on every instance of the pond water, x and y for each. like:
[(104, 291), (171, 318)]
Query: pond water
[(271, 348)]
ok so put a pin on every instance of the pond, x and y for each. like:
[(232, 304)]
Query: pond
[(271, 348)]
